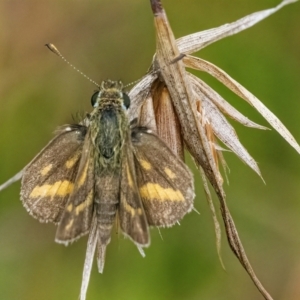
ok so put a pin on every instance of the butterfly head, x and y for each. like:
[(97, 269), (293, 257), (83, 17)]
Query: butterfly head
[(110, 92)]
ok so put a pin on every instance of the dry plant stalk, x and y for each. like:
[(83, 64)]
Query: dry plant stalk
[(185, 111)]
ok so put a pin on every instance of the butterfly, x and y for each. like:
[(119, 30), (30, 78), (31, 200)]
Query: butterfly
[(105, 169)]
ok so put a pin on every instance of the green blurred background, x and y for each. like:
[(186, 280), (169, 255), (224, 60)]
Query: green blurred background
[(115, 40)]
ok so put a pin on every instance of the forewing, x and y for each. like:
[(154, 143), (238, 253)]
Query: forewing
[(165, 183), (132, 217), (77, 215), (48, 180)]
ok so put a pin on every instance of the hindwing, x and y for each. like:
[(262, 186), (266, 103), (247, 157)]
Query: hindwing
[(165, 183), (77, 215), (132, 217)]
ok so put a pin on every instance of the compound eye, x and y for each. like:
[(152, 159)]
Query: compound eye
[(126, 100), (94, 99)]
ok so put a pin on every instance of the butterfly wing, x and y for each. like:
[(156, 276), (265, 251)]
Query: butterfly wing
[(165, 183), (132, 217), (48, 180), (77, 215)]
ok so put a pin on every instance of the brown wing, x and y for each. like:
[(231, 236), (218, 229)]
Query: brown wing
[(164, 181), (48, 180), (132, 217), (77, 215)]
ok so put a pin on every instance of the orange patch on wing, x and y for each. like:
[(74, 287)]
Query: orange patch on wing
[(131, 210), (145, 164), (59, 188), (83, 176), (46, 170), (73, 160), (88, 201), (151, 191), (170, 173)]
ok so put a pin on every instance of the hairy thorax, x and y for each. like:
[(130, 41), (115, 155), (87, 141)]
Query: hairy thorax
[(108, 133)]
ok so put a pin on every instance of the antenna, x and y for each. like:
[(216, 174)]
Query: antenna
[(53, 49), (136, 81), (133, 82)]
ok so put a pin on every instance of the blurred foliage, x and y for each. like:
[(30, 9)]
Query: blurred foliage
[(115, 40)]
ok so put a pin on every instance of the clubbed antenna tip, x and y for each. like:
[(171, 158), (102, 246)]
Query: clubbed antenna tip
[(53, 49)]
